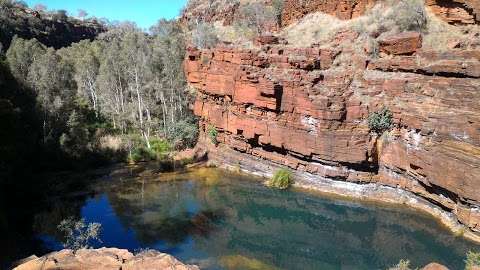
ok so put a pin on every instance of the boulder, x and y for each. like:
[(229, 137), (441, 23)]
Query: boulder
[(265, 40), (435, 266), (401, 44), (456, 11)]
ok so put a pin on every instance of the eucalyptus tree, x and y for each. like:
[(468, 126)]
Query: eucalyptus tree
[(84, 57), (21, 55)]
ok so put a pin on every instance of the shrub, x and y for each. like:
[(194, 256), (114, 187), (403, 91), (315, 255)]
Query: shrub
[(78, 234), (257, 16), (183, 133), (282, 179), (473, 259), (212, 134), (138, 151), (278, 10), (393, 16), (402, 265), (204, 36), (380, 121)]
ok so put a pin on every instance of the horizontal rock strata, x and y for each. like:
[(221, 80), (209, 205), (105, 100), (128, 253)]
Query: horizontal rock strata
[(306, 108)]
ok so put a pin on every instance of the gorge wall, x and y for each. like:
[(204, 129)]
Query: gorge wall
[(306, 108), (452, 11)]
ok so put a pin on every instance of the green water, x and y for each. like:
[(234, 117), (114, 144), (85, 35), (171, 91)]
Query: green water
[(224, 221)]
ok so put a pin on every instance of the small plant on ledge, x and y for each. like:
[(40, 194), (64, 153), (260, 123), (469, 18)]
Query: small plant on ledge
[(282, 179), (212, 134), (472, 261), (380, 121), (402, 265)]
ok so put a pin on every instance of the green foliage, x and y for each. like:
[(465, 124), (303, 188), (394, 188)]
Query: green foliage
[(212, 134), (473, 259), (57, 33), (125, 82), (159, 149), (21, 56), (183, 133), (380, 121), (282, 179), (75, 140), (78, 234), (278, 10), (402, 265)]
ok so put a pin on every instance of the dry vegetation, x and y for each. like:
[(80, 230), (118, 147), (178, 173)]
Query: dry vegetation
[(387, 17), (253, 18), (249, 19)]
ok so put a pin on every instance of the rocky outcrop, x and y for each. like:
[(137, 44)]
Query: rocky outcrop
[(306, 108), (343, 9), (104, 259), (435, 266), (48, 28), (451, 11), (403, 43), (456, 11)]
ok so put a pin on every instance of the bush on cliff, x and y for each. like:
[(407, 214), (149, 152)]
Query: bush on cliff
[(204, 36), (393, 17), (183, 133), (282, 179), (473, 260), (212, 134), (380, 121), (402, 265)]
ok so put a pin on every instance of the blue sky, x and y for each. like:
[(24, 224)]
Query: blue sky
[(144, 12)]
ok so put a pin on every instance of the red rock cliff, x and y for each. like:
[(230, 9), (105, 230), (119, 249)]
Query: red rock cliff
[(298, 107), (452, 11)]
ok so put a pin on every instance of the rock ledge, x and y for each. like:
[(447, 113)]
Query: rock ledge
[(104, 259)]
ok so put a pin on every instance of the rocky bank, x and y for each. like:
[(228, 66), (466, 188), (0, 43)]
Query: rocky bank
[(306, 109), (104, 259)]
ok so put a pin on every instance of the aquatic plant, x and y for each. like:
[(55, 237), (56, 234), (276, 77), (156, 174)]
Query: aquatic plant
[(473, 260), (380, 121), (402, 265), (212, 133), (282, 179), (78, 234), (242, 262)]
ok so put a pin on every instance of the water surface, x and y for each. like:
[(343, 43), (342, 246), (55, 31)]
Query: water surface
[(219, 220)]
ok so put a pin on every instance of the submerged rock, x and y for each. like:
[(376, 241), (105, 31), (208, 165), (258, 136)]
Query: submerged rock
[(104, 259)]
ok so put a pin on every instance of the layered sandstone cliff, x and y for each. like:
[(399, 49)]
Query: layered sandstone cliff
[(452, 11), (306, 108)]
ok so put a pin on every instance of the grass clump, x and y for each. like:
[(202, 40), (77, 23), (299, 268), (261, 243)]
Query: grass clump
[(212, 133), (282, 179), (380, 121), (473, 260), (402, 265)]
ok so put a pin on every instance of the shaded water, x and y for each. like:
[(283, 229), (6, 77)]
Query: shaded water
[(219, 220)]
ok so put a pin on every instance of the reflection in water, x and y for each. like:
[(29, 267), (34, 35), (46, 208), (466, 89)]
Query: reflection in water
[(224, 221)]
